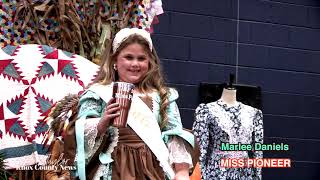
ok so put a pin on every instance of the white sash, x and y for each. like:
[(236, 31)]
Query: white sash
[(144, 123)]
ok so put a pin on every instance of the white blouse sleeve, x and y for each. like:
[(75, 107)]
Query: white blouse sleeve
[(178, 152), (90, 136)]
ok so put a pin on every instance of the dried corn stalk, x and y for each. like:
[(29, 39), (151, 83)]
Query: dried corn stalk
[(84, 27)]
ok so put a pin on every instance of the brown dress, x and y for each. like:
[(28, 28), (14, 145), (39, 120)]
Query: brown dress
[(133, 160)]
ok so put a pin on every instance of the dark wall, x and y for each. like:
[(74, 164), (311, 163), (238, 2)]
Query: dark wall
[(274, 44)]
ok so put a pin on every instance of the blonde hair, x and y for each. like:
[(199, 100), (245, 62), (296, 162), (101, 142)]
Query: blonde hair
[(152, 80)]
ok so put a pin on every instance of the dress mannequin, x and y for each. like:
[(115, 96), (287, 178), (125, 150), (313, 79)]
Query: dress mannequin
[(227, 121), (229, 96)]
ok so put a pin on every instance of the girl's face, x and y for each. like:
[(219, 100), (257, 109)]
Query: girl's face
[(132, 63)]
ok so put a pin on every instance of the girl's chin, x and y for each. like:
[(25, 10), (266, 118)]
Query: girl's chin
[(133, 81)]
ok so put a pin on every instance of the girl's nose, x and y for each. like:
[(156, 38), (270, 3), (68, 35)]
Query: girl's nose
[(135, 62)]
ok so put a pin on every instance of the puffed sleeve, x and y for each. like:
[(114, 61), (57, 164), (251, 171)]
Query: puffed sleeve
[(90, 109), (91, 105), (179, 141), (200, 130), (174, 125)]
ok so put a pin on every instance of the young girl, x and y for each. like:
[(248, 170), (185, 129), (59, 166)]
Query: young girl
[(153, 145)]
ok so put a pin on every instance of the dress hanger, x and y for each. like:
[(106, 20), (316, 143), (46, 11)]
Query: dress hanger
[(231, 86), (229, 92)]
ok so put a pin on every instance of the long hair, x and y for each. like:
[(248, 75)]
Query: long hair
[(153, 79)]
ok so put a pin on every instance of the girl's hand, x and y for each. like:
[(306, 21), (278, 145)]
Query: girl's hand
[(182, 176), (109, 114), (182, 171)]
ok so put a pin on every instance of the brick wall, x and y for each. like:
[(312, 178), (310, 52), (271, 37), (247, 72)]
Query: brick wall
[(274, 44)]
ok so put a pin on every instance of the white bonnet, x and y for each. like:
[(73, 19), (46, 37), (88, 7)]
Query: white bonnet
[(124, 33)]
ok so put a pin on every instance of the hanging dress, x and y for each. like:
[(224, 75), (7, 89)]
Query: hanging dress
[(217, 123)]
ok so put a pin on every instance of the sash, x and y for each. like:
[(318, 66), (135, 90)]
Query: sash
[(144, 123)]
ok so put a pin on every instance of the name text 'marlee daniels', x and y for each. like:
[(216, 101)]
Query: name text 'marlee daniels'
[(254, 147)]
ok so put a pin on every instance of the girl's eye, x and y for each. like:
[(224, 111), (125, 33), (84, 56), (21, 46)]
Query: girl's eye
[(141, 58), (129, 57)]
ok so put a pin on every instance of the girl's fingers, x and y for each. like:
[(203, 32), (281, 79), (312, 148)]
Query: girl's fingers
[(111, 116), (108, 117), (110, 106), (113, 110), (111, 101)]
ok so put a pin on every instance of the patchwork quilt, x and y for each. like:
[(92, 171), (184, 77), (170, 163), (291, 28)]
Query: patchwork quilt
[(32, 78)]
